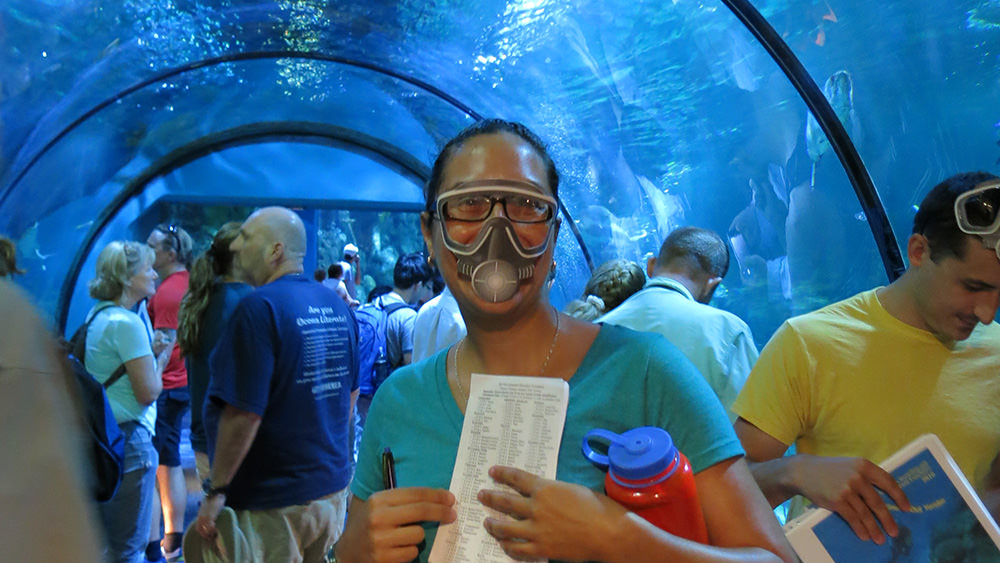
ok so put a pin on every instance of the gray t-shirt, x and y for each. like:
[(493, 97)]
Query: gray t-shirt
[(399, 328)]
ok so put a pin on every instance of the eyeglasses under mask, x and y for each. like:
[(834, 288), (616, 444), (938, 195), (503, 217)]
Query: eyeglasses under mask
[(475, 201), (977, 212)]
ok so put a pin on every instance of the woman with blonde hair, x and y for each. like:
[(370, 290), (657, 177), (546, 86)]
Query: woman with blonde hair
[(119, 345), (214, 289)]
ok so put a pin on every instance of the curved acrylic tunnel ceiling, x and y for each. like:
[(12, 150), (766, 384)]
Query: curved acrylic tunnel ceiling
[(658, 114)]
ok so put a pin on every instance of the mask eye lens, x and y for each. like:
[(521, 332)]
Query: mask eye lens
[(980, 211), (468, 208), (977, 210), (527, 210)]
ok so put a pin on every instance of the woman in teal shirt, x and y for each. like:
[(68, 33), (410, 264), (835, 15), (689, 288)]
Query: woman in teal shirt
[(491, 226)]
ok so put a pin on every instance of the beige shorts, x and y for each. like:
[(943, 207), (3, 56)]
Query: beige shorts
[(293, 534)]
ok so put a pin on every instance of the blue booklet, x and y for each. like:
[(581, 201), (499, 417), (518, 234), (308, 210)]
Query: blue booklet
[(948, 521)]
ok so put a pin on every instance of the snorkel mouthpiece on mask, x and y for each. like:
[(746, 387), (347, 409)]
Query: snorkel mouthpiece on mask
[(496, 262)]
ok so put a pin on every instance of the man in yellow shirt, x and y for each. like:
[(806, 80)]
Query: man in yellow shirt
[(853, 382)]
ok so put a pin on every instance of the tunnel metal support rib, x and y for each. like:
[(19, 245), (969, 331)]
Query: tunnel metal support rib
[(205, 145), (782, 54)]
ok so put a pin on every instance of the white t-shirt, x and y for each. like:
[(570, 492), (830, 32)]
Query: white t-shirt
[(438, 325), (348, 279)]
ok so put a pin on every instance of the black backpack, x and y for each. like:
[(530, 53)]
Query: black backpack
[(373, 357), (106, 446)]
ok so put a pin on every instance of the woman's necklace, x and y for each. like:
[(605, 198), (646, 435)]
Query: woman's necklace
[(458, 350)]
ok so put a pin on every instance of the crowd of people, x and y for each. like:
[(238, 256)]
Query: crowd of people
[(291, 417)]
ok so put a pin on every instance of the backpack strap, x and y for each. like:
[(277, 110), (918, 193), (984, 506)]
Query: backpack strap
[(393, 307), (115, 376), (79, 348), (389, 310), (78, 342)]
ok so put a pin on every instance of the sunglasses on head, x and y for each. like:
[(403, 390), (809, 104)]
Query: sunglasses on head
[(977, 212), (172, 231)]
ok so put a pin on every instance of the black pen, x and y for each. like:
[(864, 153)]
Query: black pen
[(389, 482), (388, 470)]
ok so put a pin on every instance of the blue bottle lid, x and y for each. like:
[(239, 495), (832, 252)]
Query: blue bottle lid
[(637, 454)]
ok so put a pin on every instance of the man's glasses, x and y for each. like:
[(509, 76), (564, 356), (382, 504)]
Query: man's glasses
[(475, 202), (977, 212), (172, 231)]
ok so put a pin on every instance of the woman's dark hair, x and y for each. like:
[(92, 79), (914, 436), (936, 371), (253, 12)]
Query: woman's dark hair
[(206, 272), (935, 219), (487, 127)]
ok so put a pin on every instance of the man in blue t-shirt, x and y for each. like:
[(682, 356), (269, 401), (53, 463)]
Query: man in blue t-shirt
[(284, 382)]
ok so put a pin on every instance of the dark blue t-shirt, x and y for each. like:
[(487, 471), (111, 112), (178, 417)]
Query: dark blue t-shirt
[(289, 355), (221, 304)]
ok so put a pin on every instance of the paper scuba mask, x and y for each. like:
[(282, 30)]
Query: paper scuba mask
[(503, 252)]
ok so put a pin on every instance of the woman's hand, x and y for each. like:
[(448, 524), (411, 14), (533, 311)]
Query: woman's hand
[(386, 528), (552, 519), (161, 340)]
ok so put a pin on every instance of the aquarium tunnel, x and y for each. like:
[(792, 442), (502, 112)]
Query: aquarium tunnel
[(803, 131)]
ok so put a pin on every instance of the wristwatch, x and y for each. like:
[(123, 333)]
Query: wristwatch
[(331, 556), (211, 491)]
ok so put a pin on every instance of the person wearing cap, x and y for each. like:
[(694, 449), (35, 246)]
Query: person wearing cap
[(352, 270), (852, 383)]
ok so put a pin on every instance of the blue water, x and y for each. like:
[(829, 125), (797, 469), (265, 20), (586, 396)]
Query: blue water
[(658, 115)]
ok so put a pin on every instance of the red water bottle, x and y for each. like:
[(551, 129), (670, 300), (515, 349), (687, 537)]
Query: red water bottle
[(648, 475)]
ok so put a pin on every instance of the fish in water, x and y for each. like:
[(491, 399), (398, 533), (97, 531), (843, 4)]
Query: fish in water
[(839, 91)]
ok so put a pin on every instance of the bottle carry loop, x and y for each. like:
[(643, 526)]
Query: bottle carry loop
[(640, 454)]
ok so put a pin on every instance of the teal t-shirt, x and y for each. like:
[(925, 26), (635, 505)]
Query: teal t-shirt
[(117, 336), (627, 379)]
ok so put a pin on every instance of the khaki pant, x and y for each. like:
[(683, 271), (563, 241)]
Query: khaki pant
[(293, 534)]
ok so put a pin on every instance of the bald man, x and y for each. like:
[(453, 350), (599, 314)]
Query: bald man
[(284, 382)]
